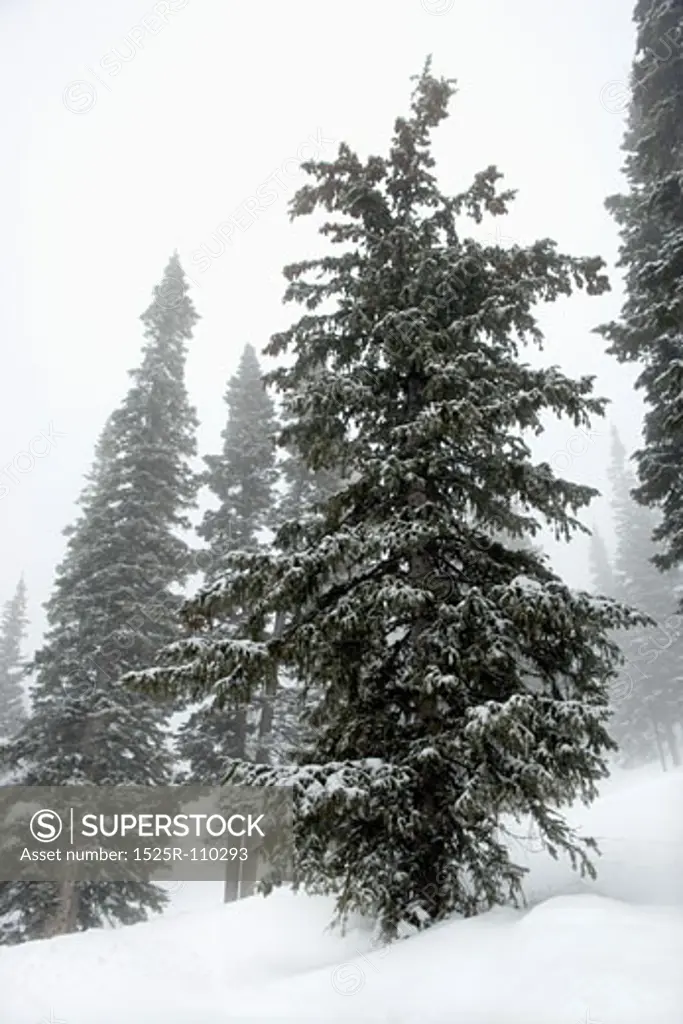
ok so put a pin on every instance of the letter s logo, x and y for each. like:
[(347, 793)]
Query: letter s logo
[(46, 826)]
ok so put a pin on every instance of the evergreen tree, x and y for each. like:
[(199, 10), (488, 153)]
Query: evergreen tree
[(601, 567), (650, 219), (427, 729), (12, 634), (243, 479), (621, 691), (652, 701), (605, 585), (113, 605), (244, 475)]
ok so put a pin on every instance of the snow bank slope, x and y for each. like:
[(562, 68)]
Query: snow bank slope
[(610, 956)]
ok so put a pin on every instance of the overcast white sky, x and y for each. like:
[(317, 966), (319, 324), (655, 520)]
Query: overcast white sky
[(126, 136)]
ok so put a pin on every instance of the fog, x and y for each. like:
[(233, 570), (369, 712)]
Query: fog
[(123, 143)]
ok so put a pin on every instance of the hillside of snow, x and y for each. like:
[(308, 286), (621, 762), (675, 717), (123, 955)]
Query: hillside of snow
[(603, 952)]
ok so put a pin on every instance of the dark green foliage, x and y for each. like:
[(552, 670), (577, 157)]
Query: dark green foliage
[(12, 634), (648, 697), (244, 475), (650, 219), (243, 479), (114, 604), (601, 566), (438, 709)]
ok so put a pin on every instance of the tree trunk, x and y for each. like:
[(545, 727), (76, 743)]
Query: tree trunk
[(672, 744), (248, 874), (241, 876), (265, 728), (231, 884), (658, 741), (422, 575), (249, 869), (65, 920), (66, 917)]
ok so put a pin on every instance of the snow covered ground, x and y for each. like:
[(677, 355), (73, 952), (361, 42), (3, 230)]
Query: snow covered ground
[(608, 952)]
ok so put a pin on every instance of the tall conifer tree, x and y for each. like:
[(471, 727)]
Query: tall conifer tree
[(114, 604), (12, 635), (651, 707), (600, 565), (650, 220), (242, 478), (437, 713)]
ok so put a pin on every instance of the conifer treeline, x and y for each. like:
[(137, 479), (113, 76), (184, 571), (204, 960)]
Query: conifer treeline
[(379, 630), (12, 635), (648, 334), (116, 600), (647, 698)]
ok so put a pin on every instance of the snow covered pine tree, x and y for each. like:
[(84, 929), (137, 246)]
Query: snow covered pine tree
[(12, 634), (427, 729), (243, 479), (650, 219), (651, 708), (113, 606), (600, 566)]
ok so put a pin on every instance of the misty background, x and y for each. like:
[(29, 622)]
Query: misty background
[(126, 143)]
